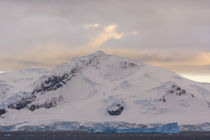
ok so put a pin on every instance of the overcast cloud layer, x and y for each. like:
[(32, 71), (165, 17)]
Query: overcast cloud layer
[(43, 33)]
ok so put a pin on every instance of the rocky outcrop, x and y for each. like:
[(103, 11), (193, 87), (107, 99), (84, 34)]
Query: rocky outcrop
[(55, 82), (175, 90), (2, 111), (52, 83), (47, 104), (116, 110), (125, 65), (22, 103)]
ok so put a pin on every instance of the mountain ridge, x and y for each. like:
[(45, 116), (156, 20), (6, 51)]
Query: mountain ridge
[(100, 88)]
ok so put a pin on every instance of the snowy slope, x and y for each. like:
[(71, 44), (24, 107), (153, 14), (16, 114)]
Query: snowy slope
[(102, 88), (16, 84)]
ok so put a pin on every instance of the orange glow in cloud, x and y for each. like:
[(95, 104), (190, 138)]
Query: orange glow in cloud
[(109, 32), (190, 65)]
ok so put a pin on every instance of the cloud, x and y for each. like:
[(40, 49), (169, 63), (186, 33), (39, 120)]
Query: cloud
[(171, 34), (109, 32), (54, 54), (92, 25), (180, 62), (159, 24)]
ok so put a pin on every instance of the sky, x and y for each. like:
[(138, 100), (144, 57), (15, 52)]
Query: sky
[(173, 34)]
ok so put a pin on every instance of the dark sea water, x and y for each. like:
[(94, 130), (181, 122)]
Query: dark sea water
[(90, 136)]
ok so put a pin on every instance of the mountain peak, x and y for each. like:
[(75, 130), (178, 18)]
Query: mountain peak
[(98, 53), (101, 88)]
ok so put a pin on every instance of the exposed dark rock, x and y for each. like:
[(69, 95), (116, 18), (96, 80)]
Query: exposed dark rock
[(22, 103), (2, 111), (117, 111), (125, 65), (208, 104), (163, 99), (52, 83), (47, 104), (93, 61), (75, 70), (32, 107), (56, 82), (132, 65), (181, 92), (178, 88), (170, 91)]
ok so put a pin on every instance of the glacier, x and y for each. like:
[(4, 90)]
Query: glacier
[(93, 127)]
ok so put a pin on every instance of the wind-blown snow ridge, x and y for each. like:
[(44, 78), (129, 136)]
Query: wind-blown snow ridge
[(101, 88)]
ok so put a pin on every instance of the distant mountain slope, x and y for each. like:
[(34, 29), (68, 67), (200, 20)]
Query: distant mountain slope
[(99, 88)]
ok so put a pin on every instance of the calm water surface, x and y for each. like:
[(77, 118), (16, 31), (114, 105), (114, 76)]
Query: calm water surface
[(65, 135)]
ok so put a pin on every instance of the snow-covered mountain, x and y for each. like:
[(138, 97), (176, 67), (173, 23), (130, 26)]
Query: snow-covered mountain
[(101, 88)]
